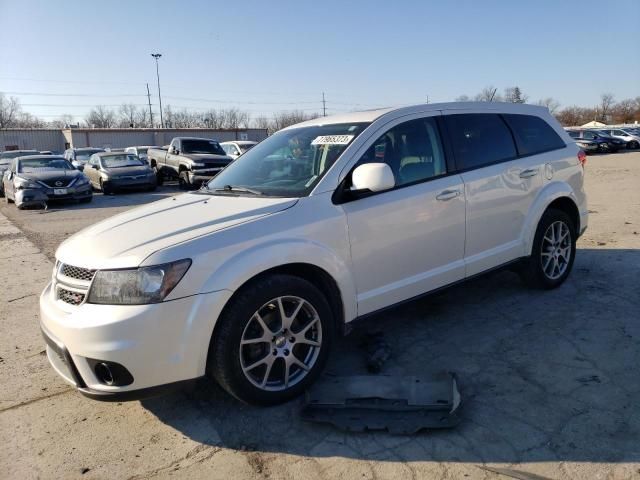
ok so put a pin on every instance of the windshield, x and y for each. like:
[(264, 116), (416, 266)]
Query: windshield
[(83, 155), (202, 146), (117, 161), (291, 162), (18, 153), (34, 165), (142, 150), (244, 148)]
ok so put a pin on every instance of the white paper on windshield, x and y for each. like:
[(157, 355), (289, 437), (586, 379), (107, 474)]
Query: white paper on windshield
[(332, 140)]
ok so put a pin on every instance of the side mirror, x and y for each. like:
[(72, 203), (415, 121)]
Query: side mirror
[(374, 177), (96, 167)]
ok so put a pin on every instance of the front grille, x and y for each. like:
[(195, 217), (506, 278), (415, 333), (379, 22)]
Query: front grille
[(209, 166), (77, 273), (72, 298), (58, 182)]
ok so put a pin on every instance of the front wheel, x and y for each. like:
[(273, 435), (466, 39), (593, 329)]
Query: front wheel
[(183, 180), (604, 148), (272, 340), (159, 175), (553, 252)]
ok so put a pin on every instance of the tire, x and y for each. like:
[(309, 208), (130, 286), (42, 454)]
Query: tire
[(152, 188), (106, 190), (604, 148), (634, 145), (87, 200), (159, 176), (263, 383), (183, 180), (6, 197), (548, 267)]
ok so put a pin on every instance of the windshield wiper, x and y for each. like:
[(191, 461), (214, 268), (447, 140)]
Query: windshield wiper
[(234, 189)]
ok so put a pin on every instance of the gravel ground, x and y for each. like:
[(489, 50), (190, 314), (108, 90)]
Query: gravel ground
[(549, 380)]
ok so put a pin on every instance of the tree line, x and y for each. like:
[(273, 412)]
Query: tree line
[(129, 115)]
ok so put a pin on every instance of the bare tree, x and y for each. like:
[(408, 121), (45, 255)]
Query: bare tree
[(286, 118), (575, 116), (128, 115), (463, 98), (63, 122), (142, 118), (101, 117), (604, 108), (514, 95), (234, 118), (488, 94), (9, 110), (552, 104), (26, 120), (261, 122), (624, 111)]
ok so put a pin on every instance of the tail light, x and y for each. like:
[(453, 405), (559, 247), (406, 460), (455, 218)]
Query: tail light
[(582, 158)]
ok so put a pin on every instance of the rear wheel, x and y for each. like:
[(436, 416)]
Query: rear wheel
[(6, 196), (272, 340), (553, 252), (634, 144), (604, 148)]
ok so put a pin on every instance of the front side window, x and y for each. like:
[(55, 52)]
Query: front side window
[(289, 163), (588, 135), (533, 134), (479, 139), (412, 149), (574, 134)]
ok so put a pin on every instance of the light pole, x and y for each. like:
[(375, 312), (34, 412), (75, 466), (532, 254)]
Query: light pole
[(157, 56)]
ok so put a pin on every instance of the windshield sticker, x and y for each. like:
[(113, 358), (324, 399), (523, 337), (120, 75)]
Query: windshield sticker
[(332, 140)]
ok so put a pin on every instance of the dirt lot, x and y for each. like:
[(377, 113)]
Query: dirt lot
[(549, 380)]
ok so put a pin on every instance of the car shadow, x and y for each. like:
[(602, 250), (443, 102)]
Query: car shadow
[(544, 375)]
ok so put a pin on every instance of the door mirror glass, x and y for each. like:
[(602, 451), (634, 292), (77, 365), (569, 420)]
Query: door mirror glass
[(374, 177)]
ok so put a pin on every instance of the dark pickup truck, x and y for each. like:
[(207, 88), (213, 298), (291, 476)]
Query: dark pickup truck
[(192, 161)]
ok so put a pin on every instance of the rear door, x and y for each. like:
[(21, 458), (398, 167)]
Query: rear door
[(499, 187)]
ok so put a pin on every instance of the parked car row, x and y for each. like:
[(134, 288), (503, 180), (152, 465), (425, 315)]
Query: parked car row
[(34, 178), (606, 140)]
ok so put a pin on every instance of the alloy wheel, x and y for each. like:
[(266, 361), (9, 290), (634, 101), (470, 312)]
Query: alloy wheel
[(555, 252), (281, 343)]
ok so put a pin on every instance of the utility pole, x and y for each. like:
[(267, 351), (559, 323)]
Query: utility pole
[(157, 56), (427, 98), (324, 106), (150, 111)]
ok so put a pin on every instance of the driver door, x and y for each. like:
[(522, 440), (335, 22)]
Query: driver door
[(408, 240)]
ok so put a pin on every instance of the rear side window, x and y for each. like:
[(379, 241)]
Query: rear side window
[(533, 134), (480, 139)]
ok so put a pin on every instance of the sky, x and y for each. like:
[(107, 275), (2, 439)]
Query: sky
[(66, 56)]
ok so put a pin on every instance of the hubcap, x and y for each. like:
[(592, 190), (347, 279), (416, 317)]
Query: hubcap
[(556, 250), (280, 343)]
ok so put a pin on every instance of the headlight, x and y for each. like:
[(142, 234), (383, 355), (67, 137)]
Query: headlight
[(82, 180), (137, 286), (24, 183)]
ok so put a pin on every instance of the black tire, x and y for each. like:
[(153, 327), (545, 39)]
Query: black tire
[(159, 175), (87, 200), (634, 145), (533, 272), (183, 180), (106, 190), (604, 148), (152, 188), (7, 198), (224, 362)]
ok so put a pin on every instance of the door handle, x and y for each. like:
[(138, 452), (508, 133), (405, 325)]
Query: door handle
[(447, 195), (529, 172)]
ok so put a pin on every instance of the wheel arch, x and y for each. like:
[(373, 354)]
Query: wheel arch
[(558, 195)]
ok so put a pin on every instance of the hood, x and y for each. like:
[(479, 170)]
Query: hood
[(203, 157), (46, 175), (125, 240), (128, 171)]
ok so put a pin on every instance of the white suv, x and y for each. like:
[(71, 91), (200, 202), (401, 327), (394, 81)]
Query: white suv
[(249, 280)]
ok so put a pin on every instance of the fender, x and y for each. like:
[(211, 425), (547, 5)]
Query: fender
[(550, 192), (237, 270)]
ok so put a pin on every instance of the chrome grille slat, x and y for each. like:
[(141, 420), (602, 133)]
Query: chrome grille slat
[(77, 273), (72, 298)]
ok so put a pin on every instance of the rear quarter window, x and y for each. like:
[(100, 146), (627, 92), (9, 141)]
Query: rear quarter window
[(533, 134), (480, 139)]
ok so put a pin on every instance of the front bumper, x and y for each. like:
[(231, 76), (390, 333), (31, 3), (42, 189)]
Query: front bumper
[(125, 183), (202, 176), (38, 196), (162, 345)]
